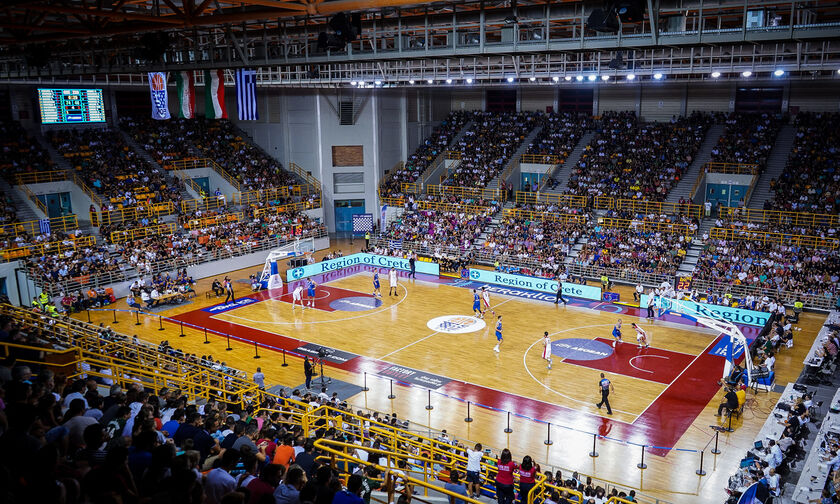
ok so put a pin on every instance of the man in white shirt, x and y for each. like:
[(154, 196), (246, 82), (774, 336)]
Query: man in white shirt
[(219, 482), (770, 361), (259, 379), (637, 296), (474, 470), (775, 456)]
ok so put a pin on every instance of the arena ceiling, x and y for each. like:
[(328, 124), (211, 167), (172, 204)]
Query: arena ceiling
[(406, 39)]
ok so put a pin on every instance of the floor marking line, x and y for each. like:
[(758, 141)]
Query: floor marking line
[(646, 370), (410, 344)]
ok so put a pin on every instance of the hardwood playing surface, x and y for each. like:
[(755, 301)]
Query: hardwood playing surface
[(514, 380)]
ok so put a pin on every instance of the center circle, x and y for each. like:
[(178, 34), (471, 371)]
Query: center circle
[(580, 349), (456, 324)]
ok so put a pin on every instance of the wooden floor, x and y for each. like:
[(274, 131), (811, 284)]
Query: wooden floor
[(514, 380)]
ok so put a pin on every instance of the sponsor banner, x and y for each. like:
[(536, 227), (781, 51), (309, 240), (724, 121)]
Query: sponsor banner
[(414, 377), (333, 356), (221, 308), (456, 324), (159, 96), (362, 259), (734, 315), (535, 284)]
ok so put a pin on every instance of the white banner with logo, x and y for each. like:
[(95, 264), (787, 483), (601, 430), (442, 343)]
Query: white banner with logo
[(535, 284)]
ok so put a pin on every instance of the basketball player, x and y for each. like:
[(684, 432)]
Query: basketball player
[(485, 295), (616, 333), (392, 281), (477, 305), (641, 336), (376, 291), (547, 348), (296, 296), (499, 338), (310, 292)]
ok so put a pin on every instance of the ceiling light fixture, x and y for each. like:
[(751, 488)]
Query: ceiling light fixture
[(779, 72), (469, 80), (449, 81), (569, 77), (605, 78), (592, 78), (510, 79), (715, 74), (430, 81), (631, 76), (658, 76), (579, 78), (532, 79), (555, 78), (411, 81), (746, 73)]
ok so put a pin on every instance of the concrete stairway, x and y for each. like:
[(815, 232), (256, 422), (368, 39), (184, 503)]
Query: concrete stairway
[(60, 161), (432, 174), (23, 207), (562, 175), (776, 163), (514, 159), (693, 252), (704, 155)]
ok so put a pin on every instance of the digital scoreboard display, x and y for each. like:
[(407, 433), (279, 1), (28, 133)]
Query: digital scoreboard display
[(71, 106)]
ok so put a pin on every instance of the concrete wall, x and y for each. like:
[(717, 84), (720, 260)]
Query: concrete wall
[(79, 201), (19, 288), (534, 168), (214, 179)]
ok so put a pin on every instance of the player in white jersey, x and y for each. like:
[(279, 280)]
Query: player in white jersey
[(641, 336), (392, 282), (547, 349), (296, 296), (485, 296)]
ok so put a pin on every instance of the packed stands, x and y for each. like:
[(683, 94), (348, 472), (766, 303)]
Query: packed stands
[(811, 180), (108, 165), (629, 159), (484, 150), (455, 228), (425, 153), (21, 153), (636, 250), (165, 141), (748, 139), (560, 134)]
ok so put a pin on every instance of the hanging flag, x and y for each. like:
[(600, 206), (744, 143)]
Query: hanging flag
[(160, 100), (214, 94), (44, 226), (246, 94), (186, 94)]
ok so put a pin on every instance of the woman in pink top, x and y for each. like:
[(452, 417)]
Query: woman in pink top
[(504, 478)]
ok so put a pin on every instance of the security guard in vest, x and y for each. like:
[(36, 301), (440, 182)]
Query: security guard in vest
[(798, 305), (36, 305), (367, 239), (605, 282), (43, 299)]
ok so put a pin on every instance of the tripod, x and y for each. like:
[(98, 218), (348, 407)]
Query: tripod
[(324, 379)]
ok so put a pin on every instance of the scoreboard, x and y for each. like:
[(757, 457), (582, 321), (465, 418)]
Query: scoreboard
[(71, 106)]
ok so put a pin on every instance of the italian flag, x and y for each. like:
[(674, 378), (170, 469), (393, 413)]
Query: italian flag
[(214, 94), (186, 95)]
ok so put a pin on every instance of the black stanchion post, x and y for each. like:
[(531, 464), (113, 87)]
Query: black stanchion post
[(700, 472), (256, 351), (88, 312), (160, 321), (729, 428), (548, 441), (594, 453), (284, 359), (182, 329), (137, 317), (206, 341), (715, 449), (508, 430), (115, 316), (429, 403), (365, 388), (468, 418), (227, 336), (391, 395), (642, 465)]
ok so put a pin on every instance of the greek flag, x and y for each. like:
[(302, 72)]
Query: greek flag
[(246, 95), (395, 244), (44, 226)]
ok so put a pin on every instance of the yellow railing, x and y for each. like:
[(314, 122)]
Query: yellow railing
[(803, 219), (645, 226), (213, 220), (460, 192), (273, 193), (774, 238), (134, 213), (142, 232), (452, 155), (646, 207), (189, 182), (569, 200), (40, 177), (56, 247), (530, 215), (731, 168), (87, 190), (34, 199), (291, 207), (550, 159), (193, 163), (33, 227), (209, 203), (300, 172)]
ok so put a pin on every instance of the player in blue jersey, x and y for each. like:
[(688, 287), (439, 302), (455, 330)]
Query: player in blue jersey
[(310, 292), (477, 304), (376, 285), (616, 332), (499, 338)]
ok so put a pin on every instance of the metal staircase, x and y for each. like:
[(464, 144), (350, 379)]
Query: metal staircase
[(562, 175), (776, 163), (704, 155)]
